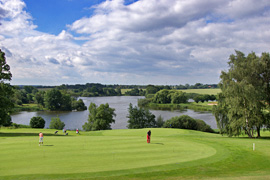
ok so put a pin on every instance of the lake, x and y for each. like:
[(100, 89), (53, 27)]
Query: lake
[(76, 119)]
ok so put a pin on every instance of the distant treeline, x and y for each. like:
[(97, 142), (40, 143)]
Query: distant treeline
[(81, 87)]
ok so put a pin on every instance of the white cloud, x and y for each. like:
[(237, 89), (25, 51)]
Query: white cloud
[(146, 42)]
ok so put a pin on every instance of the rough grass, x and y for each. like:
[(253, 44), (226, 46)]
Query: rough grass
[(124, 154)]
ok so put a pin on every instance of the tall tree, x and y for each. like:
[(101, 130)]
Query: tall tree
[(55, 101), (100, 118), (241, 102), (6, 91), (140, 118)]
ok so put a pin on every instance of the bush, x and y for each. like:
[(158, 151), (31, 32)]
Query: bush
[(78, 105), (144, 102), (187, 122), (14, 125), (37, 122), (56, 123), (202, 126)]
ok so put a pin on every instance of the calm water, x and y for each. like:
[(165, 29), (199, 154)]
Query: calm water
[(75, 120)]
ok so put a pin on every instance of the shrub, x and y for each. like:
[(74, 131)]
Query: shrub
[(187, 122), (144, 102), (202, 126), (56, 123), (37, 122), (14, 125)]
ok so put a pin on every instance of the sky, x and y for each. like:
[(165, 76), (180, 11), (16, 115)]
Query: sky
[(159, 42)]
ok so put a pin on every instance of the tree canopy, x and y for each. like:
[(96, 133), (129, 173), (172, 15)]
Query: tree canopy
[(6, 92), (140, 118), (244, 96), (170, 96), (56, 123), (100, 118)]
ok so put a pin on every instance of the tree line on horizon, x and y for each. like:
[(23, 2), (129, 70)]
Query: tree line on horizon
[(243, 104)]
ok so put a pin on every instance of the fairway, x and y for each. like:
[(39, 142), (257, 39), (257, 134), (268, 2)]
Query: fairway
[(124, 154)]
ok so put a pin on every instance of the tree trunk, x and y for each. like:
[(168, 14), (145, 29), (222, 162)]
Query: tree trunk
[(258, 131)]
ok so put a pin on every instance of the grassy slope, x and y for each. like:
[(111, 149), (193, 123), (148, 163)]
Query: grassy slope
[(124, 154)]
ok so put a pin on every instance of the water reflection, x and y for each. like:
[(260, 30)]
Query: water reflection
[(75, 119)]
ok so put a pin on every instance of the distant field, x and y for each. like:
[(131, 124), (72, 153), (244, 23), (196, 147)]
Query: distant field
[(123, 91), (203, 91), (124, 154)]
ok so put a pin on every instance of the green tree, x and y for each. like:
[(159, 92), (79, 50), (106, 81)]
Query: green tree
[(55, 101), (37, 122), (170, 96), (6, 92), (241, 102), (39, 97), (78, 105), (140, 118), (56, 123), (65, 103), (160, 122), (100, 118), (151, 89), (28, 89), (162, 97), (178, 97)]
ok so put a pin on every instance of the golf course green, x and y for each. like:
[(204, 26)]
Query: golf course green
[(124, 154)]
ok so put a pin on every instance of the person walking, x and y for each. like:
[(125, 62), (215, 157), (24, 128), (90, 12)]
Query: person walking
[(40, 138), (148, 136)]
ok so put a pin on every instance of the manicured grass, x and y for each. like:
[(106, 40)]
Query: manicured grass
[(203, 91), (124, 154)]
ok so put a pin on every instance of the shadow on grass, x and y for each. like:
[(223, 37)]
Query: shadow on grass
[(248, 138), (24, 134), (47, 145), (158, 143)]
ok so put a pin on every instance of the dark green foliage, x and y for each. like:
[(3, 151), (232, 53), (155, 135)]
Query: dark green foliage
[(162, 97), (244, 96), (39, 98), (37, 122), (169, 96), (178, 97), (5, 73), (78, 105), (140, 118), (135, 92), (29, 89), (14, 125), (56, 123), (6, 92), (100, 118), (187, 122), (57, 101), (205, 97), (197, 86), (144, 102), (151, 89)]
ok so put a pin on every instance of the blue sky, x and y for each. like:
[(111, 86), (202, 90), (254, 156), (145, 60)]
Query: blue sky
[(56, 42), (52, 16)]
